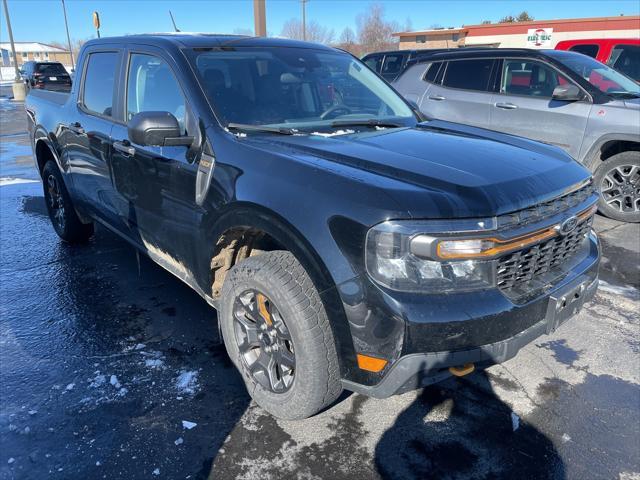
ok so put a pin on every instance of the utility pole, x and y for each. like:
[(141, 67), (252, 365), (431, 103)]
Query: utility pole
[(259, 18), (66, 25), (304, 19), (18, 85)]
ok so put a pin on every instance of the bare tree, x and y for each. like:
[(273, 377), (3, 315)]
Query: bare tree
[(521, 17), (349, 42), (314, 31), (76, 45), (374, 32), (486, 22)]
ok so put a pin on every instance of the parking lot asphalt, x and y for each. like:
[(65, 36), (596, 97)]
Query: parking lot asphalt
[(112, 368)]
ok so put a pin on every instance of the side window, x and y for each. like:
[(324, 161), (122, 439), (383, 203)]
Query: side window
[(626, 59), (524, 77), (151, 86), (98, 82), (392, 64), (374, 62), (432, 73), (468, 74), (590, 50)]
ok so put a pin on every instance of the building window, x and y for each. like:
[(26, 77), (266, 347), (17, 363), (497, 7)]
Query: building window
[(36, 55), (421, 39), (455, 37), (25, 55), (46, 56)]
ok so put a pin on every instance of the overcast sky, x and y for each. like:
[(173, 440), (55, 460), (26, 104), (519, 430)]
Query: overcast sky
[(42, 20)]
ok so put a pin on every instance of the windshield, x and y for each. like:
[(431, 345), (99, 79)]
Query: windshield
[(296, 88), (605, 79)]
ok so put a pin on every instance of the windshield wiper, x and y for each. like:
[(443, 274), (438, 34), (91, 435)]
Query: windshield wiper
[(260, 128), (372, 122)]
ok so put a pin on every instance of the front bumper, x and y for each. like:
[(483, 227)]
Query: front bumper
[(482, 330)]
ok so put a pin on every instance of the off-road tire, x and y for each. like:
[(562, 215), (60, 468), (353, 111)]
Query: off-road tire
[(631, 158), (281, 278), (65, 222)]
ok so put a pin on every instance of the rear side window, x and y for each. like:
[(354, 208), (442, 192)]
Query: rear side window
[(98, 82), (374, 62), (626, 59), (590, 50), (432, 73), (392, 64), (468, 74)]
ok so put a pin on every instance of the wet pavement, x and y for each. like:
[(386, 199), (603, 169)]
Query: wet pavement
[(112, 368)]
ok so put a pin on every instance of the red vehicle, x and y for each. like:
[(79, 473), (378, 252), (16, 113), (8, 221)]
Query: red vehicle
[(623, 54)]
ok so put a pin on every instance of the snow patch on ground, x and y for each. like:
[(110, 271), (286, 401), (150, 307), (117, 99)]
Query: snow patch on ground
[(626, 290), (187, 382), (14, 181)]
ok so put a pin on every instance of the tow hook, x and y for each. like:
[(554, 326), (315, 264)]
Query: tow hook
[(462, 370)]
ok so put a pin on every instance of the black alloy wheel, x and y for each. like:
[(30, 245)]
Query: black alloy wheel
[(264, 341)]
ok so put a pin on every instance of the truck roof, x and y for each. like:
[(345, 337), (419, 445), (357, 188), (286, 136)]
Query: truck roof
[(202, 40)]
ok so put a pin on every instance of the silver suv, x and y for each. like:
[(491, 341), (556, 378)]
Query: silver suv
[(558, 97)]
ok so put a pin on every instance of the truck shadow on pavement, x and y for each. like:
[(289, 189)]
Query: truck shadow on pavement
[(461, 429)]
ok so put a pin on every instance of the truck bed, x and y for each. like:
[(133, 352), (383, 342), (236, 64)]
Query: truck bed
[(59, 98)]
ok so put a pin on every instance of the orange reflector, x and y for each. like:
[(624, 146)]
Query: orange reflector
[(262, 307), (463, 370), (371, 364)]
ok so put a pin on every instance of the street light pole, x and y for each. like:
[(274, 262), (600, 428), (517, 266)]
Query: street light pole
[(304, 19), (66, 25), (13, 47), (18, 86)]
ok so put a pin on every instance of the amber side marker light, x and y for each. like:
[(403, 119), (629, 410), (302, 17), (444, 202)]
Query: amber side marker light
[(462, 370), (371, 364)]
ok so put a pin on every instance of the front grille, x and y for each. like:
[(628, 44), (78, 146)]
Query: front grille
[(518, 268), (546, 209)]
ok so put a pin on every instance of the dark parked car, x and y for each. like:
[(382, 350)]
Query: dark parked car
[(389, 65), (563, 98), (344, 243), (46, 76)]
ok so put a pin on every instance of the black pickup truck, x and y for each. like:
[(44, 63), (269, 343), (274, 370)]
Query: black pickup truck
[(344, 242)]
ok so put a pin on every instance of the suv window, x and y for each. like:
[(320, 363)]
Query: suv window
[(590, 50), (392, 64), (151, 86), (468, 74), (525, 77), (626, 59), (48, 69), (432, 73), (374, 62), (98, 82)]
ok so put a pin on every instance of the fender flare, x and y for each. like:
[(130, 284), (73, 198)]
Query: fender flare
[(592, 158)]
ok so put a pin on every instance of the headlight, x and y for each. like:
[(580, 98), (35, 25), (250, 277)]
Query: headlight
[(403, 256)]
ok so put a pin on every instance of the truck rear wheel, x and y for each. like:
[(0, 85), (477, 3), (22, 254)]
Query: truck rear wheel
[(618, 181), (277, 333), (62, 214)]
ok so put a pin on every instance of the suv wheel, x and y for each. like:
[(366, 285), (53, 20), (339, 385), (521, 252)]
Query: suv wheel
[(618, 180), (277, 334), (63, 215)]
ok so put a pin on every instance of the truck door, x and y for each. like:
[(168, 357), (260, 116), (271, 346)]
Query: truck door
[(156, 185), (523, 106), (86, 138)]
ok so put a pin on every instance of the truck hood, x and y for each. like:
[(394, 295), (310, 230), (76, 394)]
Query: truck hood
[(441, 169)]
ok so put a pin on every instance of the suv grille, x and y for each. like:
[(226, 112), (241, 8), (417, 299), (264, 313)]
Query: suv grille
[(546, 209), (518, 268)]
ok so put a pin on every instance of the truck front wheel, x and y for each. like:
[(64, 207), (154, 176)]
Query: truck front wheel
[(618, 180), (277, 333), (63, 215)]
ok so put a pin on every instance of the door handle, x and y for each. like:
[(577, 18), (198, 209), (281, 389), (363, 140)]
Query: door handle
[(506, 106), (75, 127), (124, 147), (438, 98)]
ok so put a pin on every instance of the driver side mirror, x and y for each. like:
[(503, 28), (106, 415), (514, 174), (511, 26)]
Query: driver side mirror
[(567, 93), (157, 129)]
